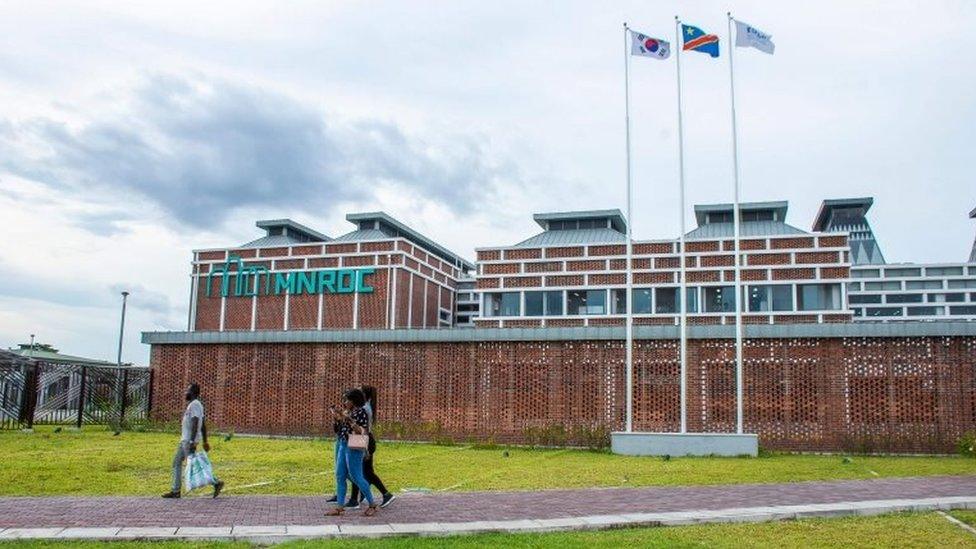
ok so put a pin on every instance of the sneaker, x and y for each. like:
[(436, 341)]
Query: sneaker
[(352, 504), (172, 495), (218, 487), (333, 499), (387, 499)]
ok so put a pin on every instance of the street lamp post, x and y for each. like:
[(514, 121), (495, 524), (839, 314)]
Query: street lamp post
[(125, 295)]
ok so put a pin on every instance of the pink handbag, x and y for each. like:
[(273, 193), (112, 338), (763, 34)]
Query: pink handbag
[(358, 442)]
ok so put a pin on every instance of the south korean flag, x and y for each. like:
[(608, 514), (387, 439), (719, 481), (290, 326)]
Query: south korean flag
[(646, 46)]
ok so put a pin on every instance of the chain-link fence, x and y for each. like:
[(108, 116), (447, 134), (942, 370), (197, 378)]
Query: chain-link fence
[(34, 392)]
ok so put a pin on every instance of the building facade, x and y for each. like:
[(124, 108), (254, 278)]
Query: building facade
[(382, 275), (574, 272)]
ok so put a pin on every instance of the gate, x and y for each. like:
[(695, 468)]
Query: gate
[(34, 392)]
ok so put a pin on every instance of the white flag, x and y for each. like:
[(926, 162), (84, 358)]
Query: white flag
[(648, 47), (751, 37)]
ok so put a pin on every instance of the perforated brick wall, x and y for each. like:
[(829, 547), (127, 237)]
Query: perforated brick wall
[(913, 394)]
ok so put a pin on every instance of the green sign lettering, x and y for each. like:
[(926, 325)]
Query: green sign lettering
[(251, 280)]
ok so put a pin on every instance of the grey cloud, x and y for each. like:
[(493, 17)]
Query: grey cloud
[(200, 149), (143, 298)]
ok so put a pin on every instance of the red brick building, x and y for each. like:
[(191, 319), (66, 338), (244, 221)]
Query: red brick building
[(574, 272), (382, 275)]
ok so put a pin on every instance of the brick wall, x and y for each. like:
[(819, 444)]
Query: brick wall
[(912, 394)]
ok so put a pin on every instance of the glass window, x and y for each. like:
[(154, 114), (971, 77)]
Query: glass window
[(618, 304), (865, 273), (554, 303), (502, 304), (943, 271), (763, 298), (882, 311), (719, 299), (586, 302), (875, 286), (925, 311), (534, 303), (758, 298), (858, 312), (892, 273), (818, 297), (860, 299), (923, 285), (947, 298), (642, 300), (963, 310), (853, 286), (666, 300), (956, 284), (903, 298)]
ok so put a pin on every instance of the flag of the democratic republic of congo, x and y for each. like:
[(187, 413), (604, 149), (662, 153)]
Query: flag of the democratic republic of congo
[(695, 39)]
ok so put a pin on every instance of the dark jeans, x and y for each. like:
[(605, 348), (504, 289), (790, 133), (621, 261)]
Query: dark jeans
[(368, 473)]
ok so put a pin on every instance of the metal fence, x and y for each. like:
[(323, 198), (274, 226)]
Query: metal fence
[(33, 392)]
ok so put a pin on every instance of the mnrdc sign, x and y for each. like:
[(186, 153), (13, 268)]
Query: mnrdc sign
[(251, 280)]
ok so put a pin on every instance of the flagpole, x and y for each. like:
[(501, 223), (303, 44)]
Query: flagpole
[(736, 222), (683, 291), (630, 246)]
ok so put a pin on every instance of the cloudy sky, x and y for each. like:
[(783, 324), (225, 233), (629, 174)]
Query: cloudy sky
[(132, 133)]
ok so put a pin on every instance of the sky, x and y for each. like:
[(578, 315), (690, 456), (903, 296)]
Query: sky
[(133, 133)]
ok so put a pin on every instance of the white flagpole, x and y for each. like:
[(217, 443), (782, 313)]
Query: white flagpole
[(736, 222), (630, 270), (683, 291)]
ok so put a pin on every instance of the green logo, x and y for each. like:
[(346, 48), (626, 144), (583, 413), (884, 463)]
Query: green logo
[(251, 280)]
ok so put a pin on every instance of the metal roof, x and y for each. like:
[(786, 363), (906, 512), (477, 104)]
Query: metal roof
[(316, 236), (746, 228), (771, 331), (616, 218), (823, 215), (59, 358), (779, 207), (413, 236), (270, 241), (363, 234), (573, 237)]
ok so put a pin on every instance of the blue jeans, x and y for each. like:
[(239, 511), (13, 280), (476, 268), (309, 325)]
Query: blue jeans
[(349, 465)]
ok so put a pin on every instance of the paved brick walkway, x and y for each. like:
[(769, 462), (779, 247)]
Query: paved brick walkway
[(62, 512)]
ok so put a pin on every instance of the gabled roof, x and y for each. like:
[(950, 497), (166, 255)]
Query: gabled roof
[(295, 226), (615, 218), (778, 207), (399, 229), (291, 232), (746, 229), (573, 237), (823, 215)]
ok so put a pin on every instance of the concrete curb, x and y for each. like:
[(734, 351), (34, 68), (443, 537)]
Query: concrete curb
[(278, 533)]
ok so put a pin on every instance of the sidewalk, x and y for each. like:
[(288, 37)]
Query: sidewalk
[(286, 517)]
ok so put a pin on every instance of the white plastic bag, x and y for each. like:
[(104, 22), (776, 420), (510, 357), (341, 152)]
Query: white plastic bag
[(198, 471)]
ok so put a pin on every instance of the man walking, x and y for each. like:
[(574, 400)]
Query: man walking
[(194, 428)]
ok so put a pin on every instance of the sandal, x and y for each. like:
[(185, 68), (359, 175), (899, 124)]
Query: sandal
[(335, 512), (370, 511)]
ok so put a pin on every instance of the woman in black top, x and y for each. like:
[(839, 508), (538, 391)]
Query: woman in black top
[(349, 462), (368, 473)]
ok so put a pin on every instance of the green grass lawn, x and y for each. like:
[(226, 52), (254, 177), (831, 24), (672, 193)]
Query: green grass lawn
[(94, 462), (902, 530)]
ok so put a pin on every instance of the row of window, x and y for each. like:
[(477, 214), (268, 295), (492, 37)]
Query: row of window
[(910, 298), (914, 311), (664, 300), (900, 272), (896, 285)]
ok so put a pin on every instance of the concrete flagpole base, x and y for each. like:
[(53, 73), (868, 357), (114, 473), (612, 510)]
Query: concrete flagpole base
[(684, 444)]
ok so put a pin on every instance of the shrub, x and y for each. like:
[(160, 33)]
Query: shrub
[(967, 444)]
